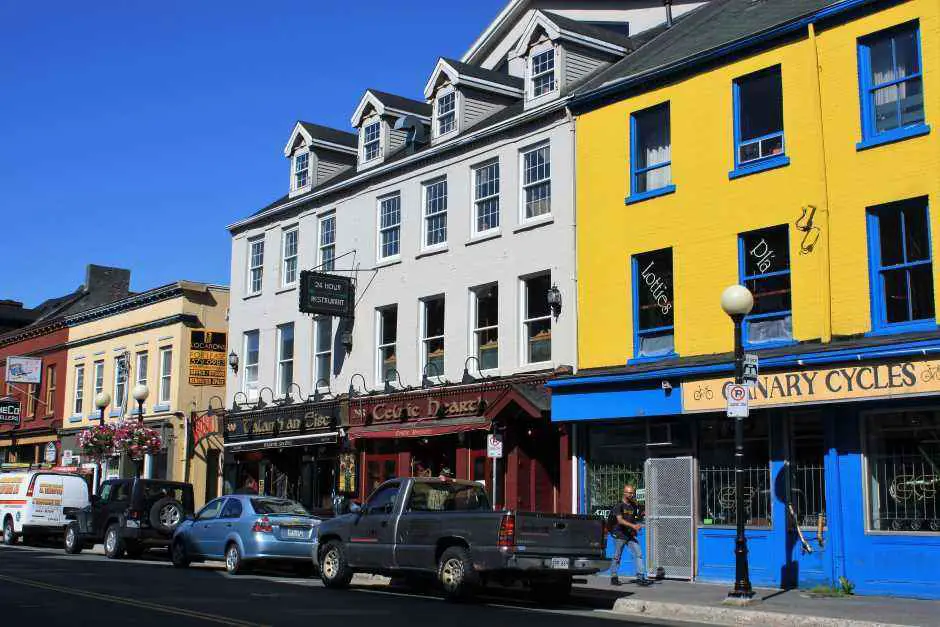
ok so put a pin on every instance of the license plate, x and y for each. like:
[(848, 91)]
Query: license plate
[(561, 562), (297, 533)]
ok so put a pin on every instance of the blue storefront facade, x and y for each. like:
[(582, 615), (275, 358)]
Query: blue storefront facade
[(842, 460)]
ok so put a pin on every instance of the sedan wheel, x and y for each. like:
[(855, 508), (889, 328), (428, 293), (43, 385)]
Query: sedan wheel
[(233, 559)]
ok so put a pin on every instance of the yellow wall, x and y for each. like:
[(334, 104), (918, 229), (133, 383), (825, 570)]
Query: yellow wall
[(702, 219)]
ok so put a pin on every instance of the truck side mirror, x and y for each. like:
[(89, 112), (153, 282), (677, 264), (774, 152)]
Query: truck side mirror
[(355, 508)]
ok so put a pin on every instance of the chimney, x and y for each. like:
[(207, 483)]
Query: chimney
[(668, 5), (106, 284)]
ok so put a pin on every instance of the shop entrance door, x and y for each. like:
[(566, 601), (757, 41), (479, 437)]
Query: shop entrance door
[(670, 516)]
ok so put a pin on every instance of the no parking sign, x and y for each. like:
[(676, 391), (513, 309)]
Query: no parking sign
[(737, 401)]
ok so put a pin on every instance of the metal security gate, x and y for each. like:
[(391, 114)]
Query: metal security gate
[(670, 524)]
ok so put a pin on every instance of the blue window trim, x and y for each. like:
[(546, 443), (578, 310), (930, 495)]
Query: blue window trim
[(636, 196), (879, 323), (637, 334), (756, 165), (870, 136), (773, 315), (161, 407)]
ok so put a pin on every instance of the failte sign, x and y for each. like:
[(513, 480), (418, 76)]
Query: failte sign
[(9, 411), (327, 294)]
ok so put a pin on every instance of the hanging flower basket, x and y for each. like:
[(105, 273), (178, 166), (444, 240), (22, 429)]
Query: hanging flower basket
[(136, 440), (97, 443)]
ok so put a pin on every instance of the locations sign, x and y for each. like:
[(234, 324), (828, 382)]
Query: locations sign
[(207, 358), (9, 411), (327, 294)]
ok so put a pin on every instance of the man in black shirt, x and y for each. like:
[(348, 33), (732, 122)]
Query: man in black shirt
[(629, 516)]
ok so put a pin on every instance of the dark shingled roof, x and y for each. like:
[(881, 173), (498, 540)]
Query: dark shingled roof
[(483, 74), (404, 104), (331, 135), (590, 30), (710, 26)]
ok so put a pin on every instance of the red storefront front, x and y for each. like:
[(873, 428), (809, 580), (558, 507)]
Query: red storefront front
[(424, 431)]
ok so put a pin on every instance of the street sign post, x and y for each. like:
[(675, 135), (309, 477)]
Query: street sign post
[(494, 446), (750, 369), (737, 401)]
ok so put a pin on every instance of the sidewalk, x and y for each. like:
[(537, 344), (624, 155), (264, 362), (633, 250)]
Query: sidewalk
[(700, 602)]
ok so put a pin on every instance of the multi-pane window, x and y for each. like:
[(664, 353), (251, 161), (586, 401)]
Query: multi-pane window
[(31, 390), (322, 350), (651, 150), (902, 268), (765, 271), (285, 358), (543, 73), (435, 213), (387, 337), (371, 141), (653, 308), (758, 116), (537, 319), (486, 197), (166, 374), (120, 383), (486, 326), (289, 256), (50, 390), (432, 336), (891, 80), (79, 400), (446, 113), (255, 265), (537, 182), (251, 353), (99, 379), (389, 226), (327, 245), (301, 170), (141, 369)]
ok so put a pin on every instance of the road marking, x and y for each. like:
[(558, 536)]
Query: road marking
[(212, 618)]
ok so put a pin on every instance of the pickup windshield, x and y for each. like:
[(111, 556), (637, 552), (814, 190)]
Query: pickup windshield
[(447, 497)]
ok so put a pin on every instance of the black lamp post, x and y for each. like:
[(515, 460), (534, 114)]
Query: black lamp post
[(737, 301)]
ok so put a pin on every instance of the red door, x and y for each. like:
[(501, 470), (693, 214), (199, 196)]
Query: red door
[(378, 468)]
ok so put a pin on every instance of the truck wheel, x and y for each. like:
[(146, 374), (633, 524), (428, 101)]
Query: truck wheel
[(552, 592), (334, 569), (456, 574), (113, 543), (73, 540), (9, 536), (178, 554)]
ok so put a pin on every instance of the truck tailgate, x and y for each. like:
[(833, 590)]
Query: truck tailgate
[(560, 534)]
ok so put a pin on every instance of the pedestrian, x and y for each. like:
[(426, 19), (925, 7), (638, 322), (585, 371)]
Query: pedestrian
[(629, 516)]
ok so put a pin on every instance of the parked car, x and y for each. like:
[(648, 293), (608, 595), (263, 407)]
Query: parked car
[(246, 530), (37, 503), (130, 516), (445, 529)]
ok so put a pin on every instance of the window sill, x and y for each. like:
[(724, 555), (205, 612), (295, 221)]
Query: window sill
[(286, 288), (76, 418), (662, 191), (161, 407), (535, 366), (431, 252), (483, 237), (889, 137), (647, 360), (771, 163), (388, 261), (773, 344), (904, 327), (534, 223), (250, 296), (116, 413)]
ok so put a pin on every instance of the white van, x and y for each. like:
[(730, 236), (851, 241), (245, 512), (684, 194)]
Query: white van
[(36, 503)]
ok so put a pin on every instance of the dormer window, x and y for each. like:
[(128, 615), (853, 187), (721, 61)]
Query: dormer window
[(301, 170), (542, 73), (371, 141), (446, 113)]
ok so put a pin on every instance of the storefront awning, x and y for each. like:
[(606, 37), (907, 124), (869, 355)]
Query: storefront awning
[(419, 429), (329, 437)]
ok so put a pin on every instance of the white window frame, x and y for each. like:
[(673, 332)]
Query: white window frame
[(141, 356), (476, 329), (299, 171), (255, 264), (117, 402), (537, 51), (322, 264), (438, 115), (78, 398), (379, 346), (389, 228), (426, 217), (251, 387), (289, 260), (427, 339), (98, 381), (319, 352), (476, 201), (166, 375), (525, 322), (524, 186), (377, 142), (281, 361)]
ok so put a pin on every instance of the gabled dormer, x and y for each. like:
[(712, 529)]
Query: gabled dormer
[(375, 119), (556, 52), (318, 153), (462, 95)]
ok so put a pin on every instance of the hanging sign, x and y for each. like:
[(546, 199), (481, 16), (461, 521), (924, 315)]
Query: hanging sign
[(9, 411), (50, 453), (24, 370), (494, 446), (207, 359), (750, 370), (737, 401), (327, 294)]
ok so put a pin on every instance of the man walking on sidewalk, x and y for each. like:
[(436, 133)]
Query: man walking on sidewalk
[(629, 515)]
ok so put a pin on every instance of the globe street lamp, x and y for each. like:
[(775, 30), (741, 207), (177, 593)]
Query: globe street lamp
[(101, 401), (140, 393), (737, 301)]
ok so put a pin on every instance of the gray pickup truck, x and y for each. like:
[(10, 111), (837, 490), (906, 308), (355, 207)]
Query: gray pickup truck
[(419, 529)]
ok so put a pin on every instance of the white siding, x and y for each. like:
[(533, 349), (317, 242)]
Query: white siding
[(396, 139), (328, 167), (478, 105), (579, 62)]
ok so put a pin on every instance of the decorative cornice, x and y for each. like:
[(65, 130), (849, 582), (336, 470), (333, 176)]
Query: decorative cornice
[(189, 320), (32, 331), (130, 303)]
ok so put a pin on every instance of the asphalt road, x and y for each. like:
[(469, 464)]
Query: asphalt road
[(43, 586)]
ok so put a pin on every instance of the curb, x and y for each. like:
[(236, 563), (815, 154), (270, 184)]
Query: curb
[(731, 616)]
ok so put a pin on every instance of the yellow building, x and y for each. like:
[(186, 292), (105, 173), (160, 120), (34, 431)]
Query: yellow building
[(171, 339), (784, 145)]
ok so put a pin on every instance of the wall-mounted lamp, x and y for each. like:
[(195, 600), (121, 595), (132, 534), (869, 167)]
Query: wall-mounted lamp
[(288, 399), (235, 406), (233, 361), (388, 384), (261, 404), (317, 395), (352, 390), (425, 379), (467, 377), (554, 300), (210, 411)]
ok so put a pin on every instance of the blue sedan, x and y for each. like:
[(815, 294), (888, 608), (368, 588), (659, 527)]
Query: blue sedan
[(245, 529)]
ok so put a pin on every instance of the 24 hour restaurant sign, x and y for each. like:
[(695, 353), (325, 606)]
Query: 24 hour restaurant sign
[(842, 383)]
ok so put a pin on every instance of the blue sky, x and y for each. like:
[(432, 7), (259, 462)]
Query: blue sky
[(132, 132)]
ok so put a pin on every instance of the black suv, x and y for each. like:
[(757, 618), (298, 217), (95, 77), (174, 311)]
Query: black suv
[(130, 516)]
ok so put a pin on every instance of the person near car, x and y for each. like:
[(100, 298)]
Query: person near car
[(629, 516), (250, 486)]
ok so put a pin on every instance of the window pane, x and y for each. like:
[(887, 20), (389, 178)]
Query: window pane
[(896, 305), (435, 357), (389, 325), (656, 345), (488, 307), (323, 368), (912, 102), (761, 104), (766, 250), (886, 108), (434, 317), (539, 340), (654, 289), (882, 60), (771, 294), (769, 330), (717, 474), (536, 296), (389, 363), (905, 53), (488, 348), (915, 232), (922, 303), (889, 225), (487, 180), (287, 342), (488, 214), (653, 137), (537, 165), (324, 334)]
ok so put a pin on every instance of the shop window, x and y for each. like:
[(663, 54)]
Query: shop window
[(903, 455), (650, 153), (327, 245), (653, 305), (807, 475), (758, 122), (432, 337), (537, 319), (252, 356), (387, 367), (717, 495), (901, 266), (486, 326), (322, 351), (285, 358), (765, 270)]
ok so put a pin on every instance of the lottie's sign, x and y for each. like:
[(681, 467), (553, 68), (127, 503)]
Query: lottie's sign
[(905, 378)]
